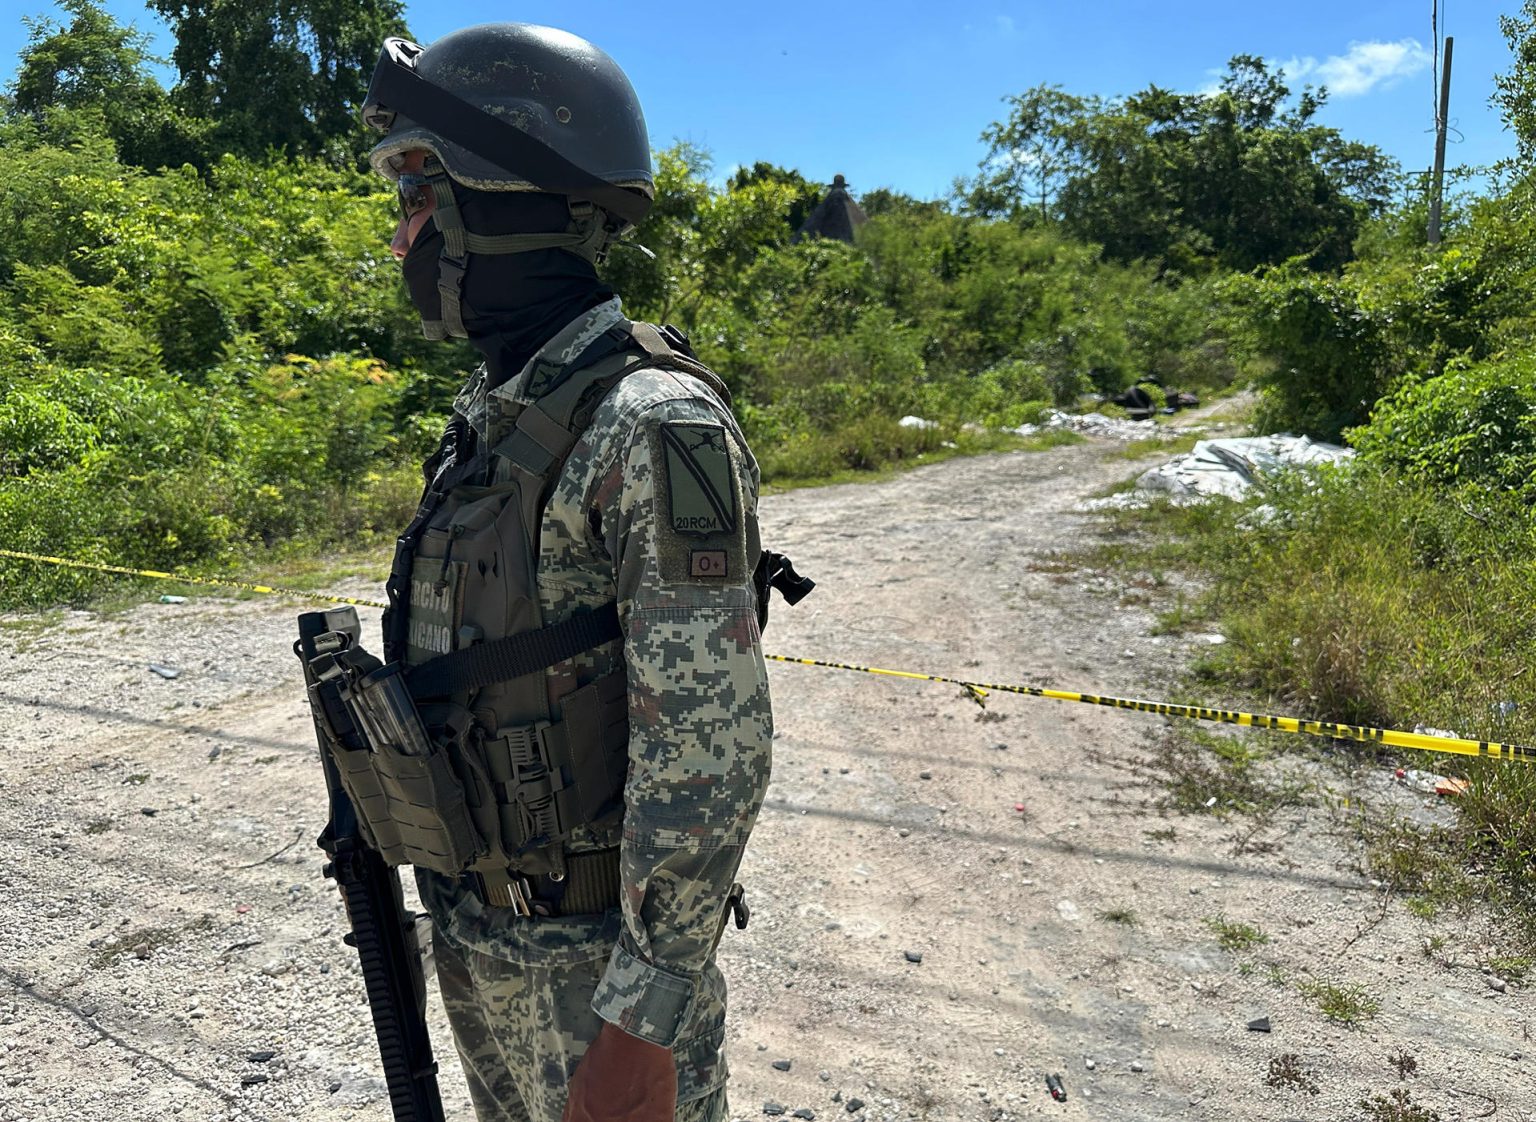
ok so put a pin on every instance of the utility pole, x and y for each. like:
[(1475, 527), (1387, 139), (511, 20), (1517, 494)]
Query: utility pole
[(1437, 183)]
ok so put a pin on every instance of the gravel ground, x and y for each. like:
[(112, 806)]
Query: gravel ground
[(918, 946)]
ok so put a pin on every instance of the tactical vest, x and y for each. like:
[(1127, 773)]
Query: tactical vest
[(471, 770)]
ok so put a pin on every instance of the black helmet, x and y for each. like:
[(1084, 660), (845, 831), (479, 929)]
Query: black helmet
[(515, 107), (512, 107)]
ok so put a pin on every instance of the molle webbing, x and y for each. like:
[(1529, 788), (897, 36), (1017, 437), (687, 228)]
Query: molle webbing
[(452, 464)]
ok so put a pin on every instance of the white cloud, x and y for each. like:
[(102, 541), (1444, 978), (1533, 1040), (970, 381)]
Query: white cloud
[(1362, 68)]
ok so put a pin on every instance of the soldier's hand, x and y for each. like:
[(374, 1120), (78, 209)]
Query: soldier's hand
[(623, 1079)]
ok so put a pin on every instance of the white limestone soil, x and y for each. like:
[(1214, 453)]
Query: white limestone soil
[(168, 948)]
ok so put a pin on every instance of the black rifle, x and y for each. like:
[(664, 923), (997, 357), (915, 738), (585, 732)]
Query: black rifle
[(383, 932)]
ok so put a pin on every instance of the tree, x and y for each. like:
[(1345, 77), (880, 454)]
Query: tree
[(1516, 91), (1233, 179), (883, 200), (1032, 153), (699, 240), (807, 195), (284, 74), (95, 67)]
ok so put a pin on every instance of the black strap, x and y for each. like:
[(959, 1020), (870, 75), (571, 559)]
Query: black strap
[(781, 575), (402, 89), (774, 570), (501, 660)]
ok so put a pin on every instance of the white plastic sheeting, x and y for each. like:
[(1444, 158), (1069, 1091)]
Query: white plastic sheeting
[(1230, 466), (1096, 424)]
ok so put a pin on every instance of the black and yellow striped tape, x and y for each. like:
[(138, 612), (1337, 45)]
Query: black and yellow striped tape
[(1330, 729), (978, 690)]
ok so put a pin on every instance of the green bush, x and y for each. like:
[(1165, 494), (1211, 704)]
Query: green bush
[(1473, 426), (1331, 345), (1002, 392), (1329, 356), (859, 445)]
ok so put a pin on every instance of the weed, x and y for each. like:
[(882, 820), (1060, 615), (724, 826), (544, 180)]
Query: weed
[(1052, 563), (1513, 968), (1287, 1073), (1396, 1106), (267, 759), (1368, 600), (98, 826), (1205, 772), (23, 633), (1404, 1063), (1162, 834), (1347, 1004), (138, 779), (1234, 937), (874, 448), (1422, 906), (1180, 618), (1125, 917), (1407, 856), (1276, 976), (1125, 486)]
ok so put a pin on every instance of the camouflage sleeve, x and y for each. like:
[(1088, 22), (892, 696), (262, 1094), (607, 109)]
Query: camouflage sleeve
[(680, 524)]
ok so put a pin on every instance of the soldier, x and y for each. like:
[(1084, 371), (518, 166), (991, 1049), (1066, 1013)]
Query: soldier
[(594, 495)]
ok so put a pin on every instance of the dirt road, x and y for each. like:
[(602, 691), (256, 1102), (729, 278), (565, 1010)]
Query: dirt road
[(168, 949)]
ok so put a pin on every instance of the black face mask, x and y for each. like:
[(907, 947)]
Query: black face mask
[(419, 267), (511, 303)]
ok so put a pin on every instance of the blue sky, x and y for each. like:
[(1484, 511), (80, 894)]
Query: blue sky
[(895, 94)]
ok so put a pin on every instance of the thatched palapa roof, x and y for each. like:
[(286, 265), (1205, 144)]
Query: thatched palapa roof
[(836, 216)]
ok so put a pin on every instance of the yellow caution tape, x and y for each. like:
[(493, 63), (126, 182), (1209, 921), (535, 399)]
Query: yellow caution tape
[(155, 574), (978, 690), (1330, 729)]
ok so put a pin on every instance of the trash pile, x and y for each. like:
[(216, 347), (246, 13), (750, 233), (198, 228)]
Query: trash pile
[(1141, 405), (1229, 467), (1089, 424), (1226, 467), (1431, 783), (1095, 424)]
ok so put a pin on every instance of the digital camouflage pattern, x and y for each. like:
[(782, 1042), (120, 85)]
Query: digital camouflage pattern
[(525, 995)]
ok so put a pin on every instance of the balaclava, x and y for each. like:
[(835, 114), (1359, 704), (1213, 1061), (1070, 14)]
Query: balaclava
[(512, 303)]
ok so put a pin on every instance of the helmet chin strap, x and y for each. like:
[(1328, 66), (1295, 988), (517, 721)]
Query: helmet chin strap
[(589, 234)]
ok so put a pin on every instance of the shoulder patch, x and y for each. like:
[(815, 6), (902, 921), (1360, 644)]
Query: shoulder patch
[(701, 491), (701, 525)]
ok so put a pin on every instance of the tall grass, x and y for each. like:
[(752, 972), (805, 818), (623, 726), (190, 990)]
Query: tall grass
[(1363, 598)]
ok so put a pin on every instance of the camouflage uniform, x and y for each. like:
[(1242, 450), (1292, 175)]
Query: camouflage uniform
[(526, 995)]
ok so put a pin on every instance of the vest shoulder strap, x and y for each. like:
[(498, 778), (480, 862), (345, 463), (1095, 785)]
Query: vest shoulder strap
[(547, 429)]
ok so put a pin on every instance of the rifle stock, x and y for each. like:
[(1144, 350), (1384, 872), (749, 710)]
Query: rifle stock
[(383, 932)]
